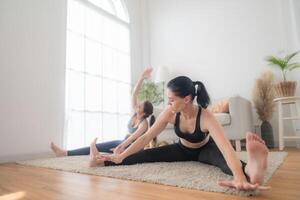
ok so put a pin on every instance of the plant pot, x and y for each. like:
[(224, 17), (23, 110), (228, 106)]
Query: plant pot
[(267, 134), (285, 88)]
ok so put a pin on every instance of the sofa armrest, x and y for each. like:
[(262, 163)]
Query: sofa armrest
[(240, 110)]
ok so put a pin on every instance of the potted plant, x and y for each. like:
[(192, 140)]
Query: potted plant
[(152, 92), (263, 96), (285, 88)]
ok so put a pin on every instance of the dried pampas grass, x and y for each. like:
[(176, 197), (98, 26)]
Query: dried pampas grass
[(263, 95)]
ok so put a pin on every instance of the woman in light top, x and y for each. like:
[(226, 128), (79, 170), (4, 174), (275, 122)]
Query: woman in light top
[(202, 139), (137, 125)]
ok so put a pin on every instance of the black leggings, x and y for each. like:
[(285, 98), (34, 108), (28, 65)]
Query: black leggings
[(103, 147), (209, 154)]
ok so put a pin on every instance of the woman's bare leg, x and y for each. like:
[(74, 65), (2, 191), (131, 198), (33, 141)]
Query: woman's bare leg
[(59, 152), (94, 161), (257, 158)]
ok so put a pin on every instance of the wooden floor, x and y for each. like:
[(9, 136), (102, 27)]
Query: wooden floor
[(21, 182)]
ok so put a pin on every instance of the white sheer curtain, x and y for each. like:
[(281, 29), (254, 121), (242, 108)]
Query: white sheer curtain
[(97, 71)]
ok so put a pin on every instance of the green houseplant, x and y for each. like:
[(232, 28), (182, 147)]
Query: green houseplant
[(152, 92), (285, 88)]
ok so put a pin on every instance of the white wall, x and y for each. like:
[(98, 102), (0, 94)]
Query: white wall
[(32, 60), (295, 44), (222, 43)]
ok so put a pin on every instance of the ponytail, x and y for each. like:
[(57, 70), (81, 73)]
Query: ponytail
[(183, 86), (152, 120), (153, 142), (203, 98)]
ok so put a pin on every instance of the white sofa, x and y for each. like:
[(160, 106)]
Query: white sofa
[(235, 123), (238, 121)]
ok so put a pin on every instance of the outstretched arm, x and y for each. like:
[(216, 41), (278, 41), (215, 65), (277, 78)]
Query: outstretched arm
[(142, 141), (141, 129), (216, 131), (146, 74)]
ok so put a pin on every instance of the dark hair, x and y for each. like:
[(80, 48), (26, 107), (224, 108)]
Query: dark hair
[(148, 110), (183, 86)]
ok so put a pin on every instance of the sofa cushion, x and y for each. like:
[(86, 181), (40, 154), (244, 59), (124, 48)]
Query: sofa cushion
[(223, 118)]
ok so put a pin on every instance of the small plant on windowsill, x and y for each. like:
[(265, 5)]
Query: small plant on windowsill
[(152, 92), (284, 88)]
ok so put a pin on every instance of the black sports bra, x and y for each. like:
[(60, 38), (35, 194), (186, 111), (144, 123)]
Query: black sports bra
[(197, 136)]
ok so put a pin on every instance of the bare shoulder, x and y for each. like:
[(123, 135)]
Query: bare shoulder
[(144, 124), (207, 118), (207, 114), (167, 114)]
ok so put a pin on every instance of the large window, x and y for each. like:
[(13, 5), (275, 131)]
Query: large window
[(98, 78)]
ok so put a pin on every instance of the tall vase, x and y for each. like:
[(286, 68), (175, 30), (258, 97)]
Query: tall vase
[(267, 134)]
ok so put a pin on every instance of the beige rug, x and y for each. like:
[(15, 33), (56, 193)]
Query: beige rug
[(193, 175)]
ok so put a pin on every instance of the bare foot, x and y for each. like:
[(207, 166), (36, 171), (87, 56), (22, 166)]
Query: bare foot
[(58, 151), (257, 158), (94, 162)]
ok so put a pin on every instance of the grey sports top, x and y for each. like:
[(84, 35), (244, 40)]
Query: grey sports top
[(133, 129)]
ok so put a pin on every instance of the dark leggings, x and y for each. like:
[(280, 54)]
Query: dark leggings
[(209, 154), (103, 147)]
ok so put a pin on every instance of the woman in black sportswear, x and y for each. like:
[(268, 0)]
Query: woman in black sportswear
[(202, 139)]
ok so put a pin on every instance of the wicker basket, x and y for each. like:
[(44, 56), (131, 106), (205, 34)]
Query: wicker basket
[(285, 88)]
